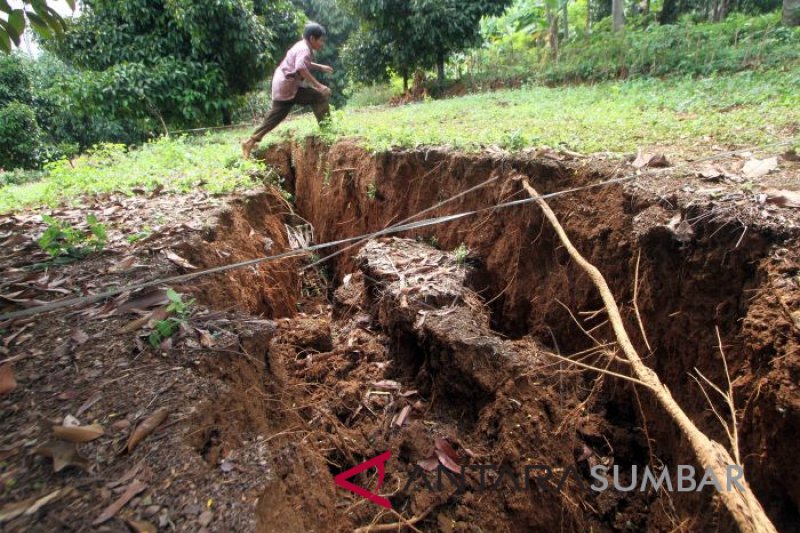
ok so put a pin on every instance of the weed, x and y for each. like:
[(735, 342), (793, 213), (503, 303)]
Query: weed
[(61, 239), (461, 254), (164, 329), (372, 191)]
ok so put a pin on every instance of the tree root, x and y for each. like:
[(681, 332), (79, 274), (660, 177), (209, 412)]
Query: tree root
[(742, 504)]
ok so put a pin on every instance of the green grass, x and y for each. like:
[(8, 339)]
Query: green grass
[(685, 114), (178, 164)]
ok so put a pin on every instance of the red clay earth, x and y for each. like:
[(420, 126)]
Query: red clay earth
[(281, 378)]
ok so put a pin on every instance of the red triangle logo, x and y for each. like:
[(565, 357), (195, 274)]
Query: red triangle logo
[(378, 462)]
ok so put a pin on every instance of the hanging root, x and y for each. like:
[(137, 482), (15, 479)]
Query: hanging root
[(742, 504)]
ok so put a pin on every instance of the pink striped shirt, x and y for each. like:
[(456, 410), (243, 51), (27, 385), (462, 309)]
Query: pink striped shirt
[(286, 79)]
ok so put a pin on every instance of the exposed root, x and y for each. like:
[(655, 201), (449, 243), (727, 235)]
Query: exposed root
[(745, 509)]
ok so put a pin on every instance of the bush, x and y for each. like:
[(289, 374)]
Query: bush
[(14, 82), (369, 95), (645, 49), (20, 137)]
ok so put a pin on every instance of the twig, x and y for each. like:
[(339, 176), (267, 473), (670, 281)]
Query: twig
[(396, 526), (636, 302)]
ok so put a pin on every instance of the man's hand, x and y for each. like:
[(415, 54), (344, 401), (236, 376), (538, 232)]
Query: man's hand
[(326, 69)]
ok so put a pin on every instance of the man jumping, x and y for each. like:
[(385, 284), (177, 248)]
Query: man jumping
[(293, 84)]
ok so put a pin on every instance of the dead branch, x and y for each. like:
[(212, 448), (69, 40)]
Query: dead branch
[(742, 504)]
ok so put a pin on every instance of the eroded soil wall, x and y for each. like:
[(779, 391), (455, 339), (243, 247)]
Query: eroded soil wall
[(742, 282)]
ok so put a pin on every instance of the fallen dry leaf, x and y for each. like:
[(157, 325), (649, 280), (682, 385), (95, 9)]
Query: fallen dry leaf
[(79, 336), (140, 526), (157, 314), (443, 446), (145, 301), (78, 434), (447, 462), (63, 454), (178, 260), (429, 464), (13, 510), (758, 168), (133, 489), (790, 155), (41, 502), (783, 198), (7, 380), (123, 266), (387, 384), (146, 427), (401, 418), (646, 160)]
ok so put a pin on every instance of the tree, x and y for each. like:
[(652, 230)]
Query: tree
[(409, 34), (791, 12), (182, 61), (34, 13), (618, 14)]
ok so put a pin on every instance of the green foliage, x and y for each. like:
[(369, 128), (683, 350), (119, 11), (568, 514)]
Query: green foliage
[(36, 14), (612, 116), (371, 95), (404, 35), (19, 136), (164, 329), (461, 253), (701, 49), (179, 164), (61, 239), (183, 61), (372, 191), (15, 85)]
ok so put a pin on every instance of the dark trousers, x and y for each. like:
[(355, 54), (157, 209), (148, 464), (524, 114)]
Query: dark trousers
[(279, 110)]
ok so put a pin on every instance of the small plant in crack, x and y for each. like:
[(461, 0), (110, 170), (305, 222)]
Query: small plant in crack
[(165, 328), (461, 253), (372, 191)]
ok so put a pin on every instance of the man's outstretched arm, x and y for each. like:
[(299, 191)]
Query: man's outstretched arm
[(323, 68)]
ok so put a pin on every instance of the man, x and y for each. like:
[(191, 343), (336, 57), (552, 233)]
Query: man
[(293, 84)]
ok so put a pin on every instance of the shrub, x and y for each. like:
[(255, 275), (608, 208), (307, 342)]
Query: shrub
[(20, 137)]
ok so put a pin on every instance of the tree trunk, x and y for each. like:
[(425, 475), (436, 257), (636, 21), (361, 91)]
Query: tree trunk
[(440, 68), (791, 13), (669, 12), (552, 20), (405, 80), (565, 17), (618, 14), (227, 118), (721, 10), (589, 16), (646, 9)]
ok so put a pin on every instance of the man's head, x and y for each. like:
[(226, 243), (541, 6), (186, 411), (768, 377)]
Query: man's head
[(315, 34)]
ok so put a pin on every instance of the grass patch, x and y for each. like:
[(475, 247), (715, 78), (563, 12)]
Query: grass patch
[(688, 113), (178, 164)]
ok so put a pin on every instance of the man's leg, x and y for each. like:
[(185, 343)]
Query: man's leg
[(277, 113), (315, 99)]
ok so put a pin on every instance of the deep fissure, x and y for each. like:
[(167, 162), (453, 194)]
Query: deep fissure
[(529, 298)]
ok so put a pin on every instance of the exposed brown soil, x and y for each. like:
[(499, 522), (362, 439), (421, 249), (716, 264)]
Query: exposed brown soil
[(282, 378)]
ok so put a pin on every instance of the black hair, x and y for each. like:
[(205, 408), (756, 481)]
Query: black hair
[(313, 29)]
